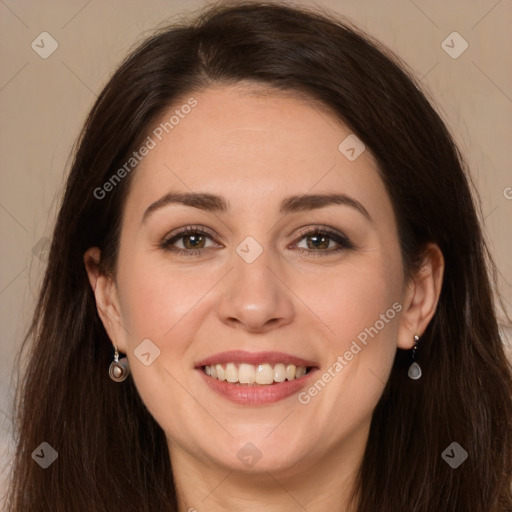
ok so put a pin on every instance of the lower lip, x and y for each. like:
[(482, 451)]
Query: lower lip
[(257, 395)]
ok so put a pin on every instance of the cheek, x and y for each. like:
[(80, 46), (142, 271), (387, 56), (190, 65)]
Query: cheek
[(361, 306), (167, 307), (155, 298), (356, 297)]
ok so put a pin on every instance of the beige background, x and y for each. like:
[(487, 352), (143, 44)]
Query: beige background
[(44, 103)]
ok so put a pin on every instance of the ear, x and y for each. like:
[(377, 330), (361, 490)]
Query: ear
[(421, 297), (107, 301)]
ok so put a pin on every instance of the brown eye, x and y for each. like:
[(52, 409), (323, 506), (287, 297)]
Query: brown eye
[(320, 241), (189, 241), (193, 241)]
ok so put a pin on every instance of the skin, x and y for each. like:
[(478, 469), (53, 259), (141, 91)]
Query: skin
[(254, 148)]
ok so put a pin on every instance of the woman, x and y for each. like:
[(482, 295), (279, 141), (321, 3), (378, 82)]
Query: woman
[(267, 288)]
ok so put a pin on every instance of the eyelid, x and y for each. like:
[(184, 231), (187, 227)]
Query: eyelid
[(167, 242), (327, 230), (190, 229)]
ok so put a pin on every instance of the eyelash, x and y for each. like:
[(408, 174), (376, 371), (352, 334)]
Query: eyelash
[(343, 242)]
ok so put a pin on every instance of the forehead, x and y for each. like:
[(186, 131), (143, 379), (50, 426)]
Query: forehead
[(253, 146)]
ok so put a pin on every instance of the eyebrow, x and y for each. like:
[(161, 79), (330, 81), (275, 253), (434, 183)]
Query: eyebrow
[(290, 204)]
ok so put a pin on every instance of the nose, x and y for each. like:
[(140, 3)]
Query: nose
[(256, 297)]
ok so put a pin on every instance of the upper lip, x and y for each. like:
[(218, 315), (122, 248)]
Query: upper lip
[(242, 356)]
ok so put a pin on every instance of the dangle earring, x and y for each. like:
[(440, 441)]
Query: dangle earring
[(119, 368), (414, 370)]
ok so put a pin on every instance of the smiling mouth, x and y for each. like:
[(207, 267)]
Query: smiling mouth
[(244, 374)]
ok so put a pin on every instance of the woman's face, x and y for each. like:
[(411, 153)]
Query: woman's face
[(291, 260)]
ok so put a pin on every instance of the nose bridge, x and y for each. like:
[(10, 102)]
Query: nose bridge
[(254, 297)]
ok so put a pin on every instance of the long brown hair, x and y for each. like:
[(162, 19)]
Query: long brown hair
[(112, 455)]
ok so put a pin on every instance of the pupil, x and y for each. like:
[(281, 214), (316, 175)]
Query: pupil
[(193, 240), (319, 241)]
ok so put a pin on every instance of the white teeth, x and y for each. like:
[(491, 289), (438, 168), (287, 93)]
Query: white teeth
[(279, 372), (231, 372), (249, 374), (264, 374), (220, 372), (246, 373)]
